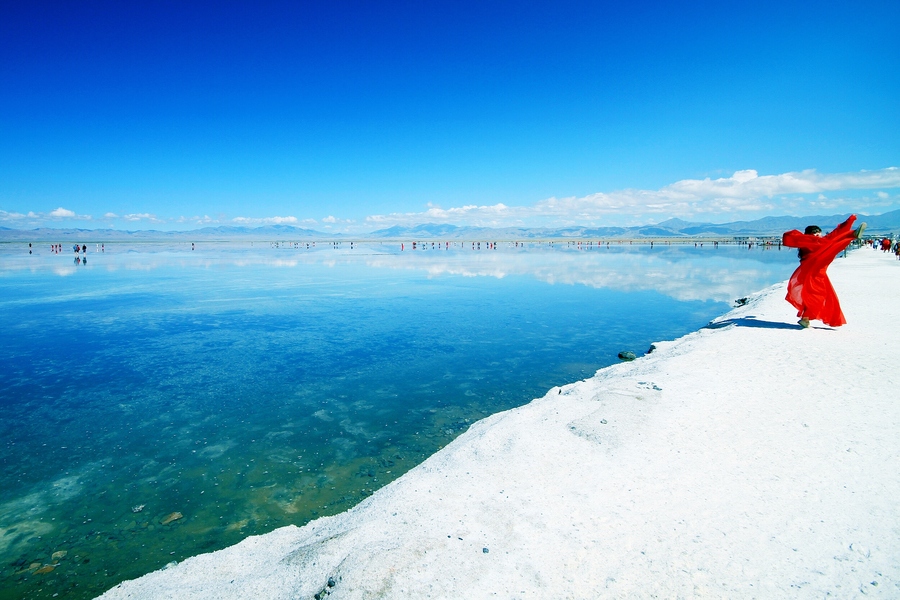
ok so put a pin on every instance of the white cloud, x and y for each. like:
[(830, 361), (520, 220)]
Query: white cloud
[(11, 216), (58, 214), (61, 213), (133, 217), (745, 191), (749, 184), (744, 194), (265, 220), (484, 216), (332, 220), (204, 220)]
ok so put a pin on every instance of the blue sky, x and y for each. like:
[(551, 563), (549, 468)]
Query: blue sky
[(353, 116)]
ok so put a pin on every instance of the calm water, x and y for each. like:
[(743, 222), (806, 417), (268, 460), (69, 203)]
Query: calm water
[(159, 402)]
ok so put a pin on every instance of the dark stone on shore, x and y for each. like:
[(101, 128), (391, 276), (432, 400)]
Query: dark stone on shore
[(652, 348), (627, 355), (485, 550)]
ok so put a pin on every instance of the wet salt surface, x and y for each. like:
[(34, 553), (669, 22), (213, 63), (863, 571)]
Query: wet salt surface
[(246, 388)]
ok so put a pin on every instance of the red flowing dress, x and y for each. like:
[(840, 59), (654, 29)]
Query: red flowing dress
[(809, 289)]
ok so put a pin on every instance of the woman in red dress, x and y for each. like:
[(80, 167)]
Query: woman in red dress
[(809, 289)]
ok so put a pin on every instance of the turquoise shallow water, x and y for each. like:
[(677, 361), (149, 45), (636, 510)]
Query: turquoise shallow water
[(158, 402)]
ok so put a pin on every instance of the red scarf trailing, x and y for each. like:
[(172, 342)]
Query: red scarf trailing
[(809, 289)]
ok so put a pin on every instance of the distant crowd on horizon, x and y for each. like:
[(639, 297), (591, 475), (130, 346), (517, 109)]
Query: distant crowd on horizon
[(885, 245)]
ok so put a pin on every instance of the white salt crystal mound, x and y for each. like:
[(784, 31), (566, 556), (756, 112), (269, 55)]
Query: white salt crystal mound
[(748, 459)]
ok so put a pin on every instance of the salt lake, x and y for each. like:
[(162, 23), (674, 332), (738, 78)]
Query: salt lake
[(157, 402)]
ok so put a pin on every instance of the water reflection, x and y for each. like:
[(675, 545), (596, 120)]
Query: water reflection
[(160, 402), (682, 271)]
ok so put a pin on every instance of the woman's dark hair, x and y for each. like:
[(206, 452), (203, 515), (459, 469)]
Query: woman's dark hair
[(813, 230)]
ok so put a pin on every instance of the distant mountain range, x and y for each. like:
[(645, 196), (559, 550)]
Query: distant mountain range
[(673, 228)]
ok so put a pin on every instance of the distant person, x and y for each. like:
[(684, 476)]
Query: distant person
[(84, 249), (809, 289)]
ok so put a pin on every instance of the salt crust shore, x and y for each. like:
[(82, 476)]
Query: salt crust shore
[(751, 459)]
